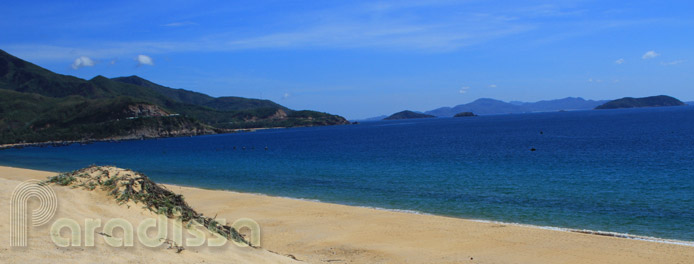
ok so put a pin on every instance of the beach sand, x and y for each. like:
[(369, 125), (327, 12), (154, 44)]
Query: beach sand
[(315, 232)]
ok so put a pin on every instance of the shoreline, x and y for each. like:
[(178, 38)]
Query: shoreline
[(415, 212), (604, 233), (62, 143), (321, 232)]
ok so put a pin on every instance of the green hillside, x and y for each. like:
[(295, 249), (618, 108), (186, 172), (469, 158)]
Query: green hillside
[(39, 105), (26, 117), (231, 112), (178, 95)]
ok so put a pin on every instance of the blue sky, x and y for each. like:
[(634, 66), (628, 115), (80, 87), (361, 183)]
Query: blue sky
[(362, 59)]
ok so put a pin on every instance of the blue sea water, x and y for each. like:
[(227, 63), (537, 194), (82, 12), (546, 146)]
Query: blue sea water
[(627, 171)]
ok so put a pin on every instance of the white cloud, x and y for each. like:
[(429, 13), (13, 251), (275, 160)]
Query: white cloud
[(144, 60), (619, 61), (82, 61), (492, 86), (650, 55), (672, 63), (402, 25), (286, 95), (464, 89)]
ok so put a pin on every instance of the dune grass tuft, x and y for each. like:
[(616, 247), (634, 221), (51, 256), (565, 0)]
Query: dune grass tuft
[(127, 185)]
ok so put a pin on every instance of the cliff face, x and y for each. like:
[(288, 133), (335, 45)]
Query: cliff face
[(144, 110), (165, 126), (280, 114), (151, 121), (651, 101)]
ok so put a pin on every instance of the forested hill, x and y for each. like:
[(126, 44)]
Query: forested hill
[(38, 105), (651, 101)]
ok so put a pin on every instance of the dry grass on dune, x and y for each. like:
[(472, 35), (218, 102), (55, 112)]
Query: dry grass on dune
[(107, 193), (128, 185)]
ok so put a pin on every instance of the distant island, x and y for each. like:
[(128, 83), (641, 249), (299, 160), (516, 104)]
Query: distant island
[(651, 101), (464, 114), (37, 105), (407, 115), (488, 106)]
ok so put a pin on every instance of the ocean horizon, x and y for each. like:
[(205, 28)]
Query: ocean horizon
[(627, 171)]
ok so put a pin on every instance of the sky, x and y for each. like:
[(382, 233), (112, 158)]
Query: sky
[(362, 59)]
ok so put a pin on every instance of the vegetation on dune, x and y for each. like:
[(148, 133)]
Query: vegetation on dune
[(129, 186)]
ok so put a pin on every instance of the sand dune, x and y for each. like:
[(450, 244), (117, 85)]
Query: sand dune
[(327, 233), (79, 204)]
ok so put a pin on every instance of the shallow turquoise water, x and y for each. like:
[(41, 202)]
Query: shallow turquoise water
[(628, 171)]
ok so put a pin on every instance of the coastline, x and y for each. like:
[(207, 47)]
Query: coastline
[(317, 232), (414, 212), (61, 143)]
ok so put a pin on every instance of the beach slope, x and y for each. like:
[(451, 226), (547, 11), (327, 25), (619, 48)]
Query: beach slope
[(315, 232), (79, 204)]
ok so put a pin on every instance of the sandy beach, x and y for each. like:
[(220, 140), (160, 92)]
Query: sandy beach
[(314, 232)]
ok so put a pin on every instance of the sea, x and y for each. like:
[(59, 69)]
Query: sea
[(626, 171)]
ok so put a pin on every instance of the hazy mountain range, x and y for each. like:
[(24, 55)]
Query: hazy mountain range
[(488, 106)]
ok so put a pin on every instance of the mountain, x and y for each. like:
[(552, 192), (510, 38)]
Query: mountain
[(483, 106), (407, 115), (231, 112), (228, 103), (690, 103), (179, 95), (651, 101), (39, 105), (487, 106), (569, 103)]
